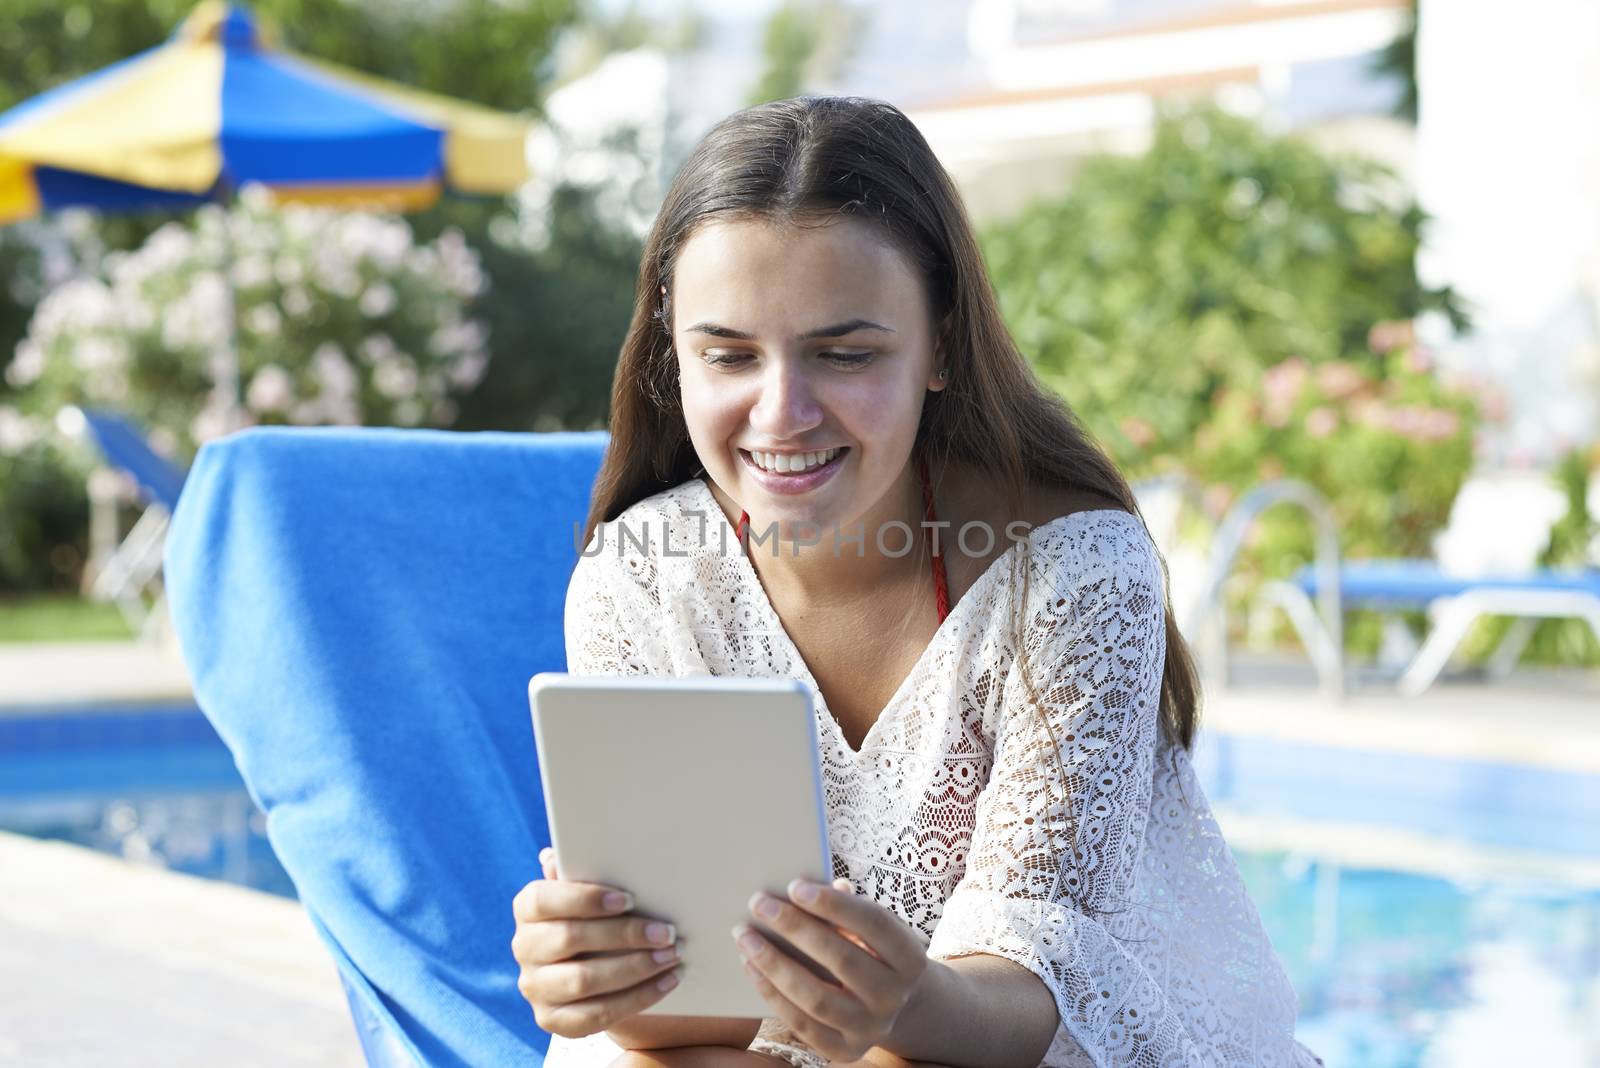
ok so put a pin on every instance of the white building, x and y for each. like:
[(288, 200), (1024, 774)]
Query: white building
[(1508, 164), (1066, 79)]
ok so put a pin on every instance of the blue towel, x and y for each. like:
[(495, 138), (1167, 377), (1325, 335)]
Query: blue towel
[(360, 611)]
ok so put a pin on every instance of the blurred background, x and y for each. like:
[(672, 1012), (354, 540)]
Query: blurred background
[(1323, 276)]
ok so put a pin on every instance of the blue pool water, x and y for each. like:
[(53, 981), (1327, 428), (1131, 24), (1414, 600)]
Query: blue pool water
[(1394, 969), (154, 785)]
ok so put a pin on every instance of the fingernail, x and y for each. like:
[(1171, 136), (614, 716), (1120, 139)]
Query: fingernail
[(804, 892), (670, 980), (764, 906), (661, 934), (617, 901), (661, 956), (749, 941)]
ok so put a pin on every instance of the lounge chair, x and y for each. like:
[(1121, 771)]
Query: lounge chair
[(1455, 596), (1456, 602), (360, 611), (128, 571)]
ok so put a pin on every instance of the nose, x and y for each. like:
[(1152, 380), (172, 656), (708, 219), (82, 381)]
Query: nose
[(786, 406)]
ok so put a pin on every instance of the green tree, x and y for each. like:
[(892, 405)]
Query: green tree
[(585, 45), (804, 43), (1156, 281), (557, 321), (21, 276), (43, 514), (1398, 60)]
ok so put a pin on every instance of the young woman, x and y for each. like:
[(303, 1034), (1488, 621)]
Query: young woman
[(1026, 870)]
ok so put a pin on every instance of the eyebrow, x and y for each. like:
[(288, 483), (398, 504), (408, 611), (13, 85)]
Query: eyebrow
[(836, 330)]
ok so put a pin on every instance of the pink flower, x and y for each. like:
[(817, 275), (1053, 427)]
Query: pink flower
[(1493, 403), (1370, 413), (1419, 360), (1280, 388), (1138, 431), (1320, 422), (271, 389), (1386, 336), (1339, 379), (1440, 424), (1217, 499), (1408, 421), (1284, 380), (467, 371)]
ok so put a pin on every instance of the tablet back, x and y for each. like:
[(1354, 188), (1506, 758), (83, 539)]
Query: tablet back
[(692, 793)]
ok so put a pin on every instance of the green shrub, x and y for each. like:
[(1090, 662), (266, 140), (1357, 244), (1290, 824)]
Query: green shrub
[(335, 317), (1158, 282), (44, 511)]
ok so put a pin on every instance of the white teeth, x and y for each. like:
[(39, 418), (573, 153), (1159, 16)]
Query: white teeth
[(785, 463)]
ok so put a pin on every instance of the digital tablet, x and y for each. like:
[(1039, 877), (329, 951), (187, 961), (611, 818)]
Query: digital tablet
[(692, 794)]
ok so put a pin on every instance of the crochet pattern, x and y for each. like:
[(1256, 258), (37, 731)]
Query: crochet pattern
[(1113, 885)]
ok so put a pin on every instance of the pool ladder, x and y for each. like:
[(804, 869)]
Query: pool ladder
[(1319, 624)]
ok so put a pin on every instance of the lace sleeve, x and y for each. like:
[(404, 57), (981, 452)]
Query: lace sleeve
[(1049, 868), (612, 616)]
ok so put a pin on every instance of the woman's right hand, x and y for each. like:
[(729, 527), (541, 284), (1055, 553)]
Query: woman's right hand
[(586, 964)]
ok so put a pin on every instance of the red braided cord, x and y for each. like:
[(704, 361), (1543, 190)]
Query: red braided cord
[(941, 589)]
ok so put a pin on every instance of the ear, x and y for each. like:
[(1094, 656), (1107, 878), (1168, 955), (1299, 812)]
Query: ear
[(939, 376), (941, 365)]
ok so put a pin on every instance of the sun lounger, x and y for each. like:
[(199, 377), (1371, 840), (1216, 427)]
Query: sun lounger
[(1457, 601), (360, 611), (133, 566)]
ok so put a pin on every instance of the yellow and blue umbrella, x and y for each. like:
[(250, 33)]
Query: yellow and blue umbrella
[(219, 106)]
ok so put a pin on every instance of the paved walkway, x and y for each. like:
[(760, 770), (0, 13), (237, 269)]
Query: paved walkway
[(77, 673), (1539, 716), (103, 962)]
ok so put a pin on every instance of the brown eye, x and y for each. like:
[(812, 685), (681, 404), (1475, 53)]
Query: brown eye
[(849, 359)]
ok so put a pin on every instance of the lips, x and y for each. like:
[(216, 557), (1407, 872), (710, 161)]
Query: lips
[(787, 483)]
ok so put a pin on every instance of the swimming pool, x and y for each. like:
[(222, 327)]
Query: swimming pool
[(153, 784), (1394, 968)]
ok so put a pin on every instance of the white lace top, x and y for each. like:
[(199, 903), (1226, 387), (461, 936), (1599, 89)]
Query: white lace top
[(950, 814)]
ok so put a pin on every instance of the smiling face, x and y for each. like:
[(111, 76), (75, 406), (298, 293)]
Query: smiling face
[(796, 341)]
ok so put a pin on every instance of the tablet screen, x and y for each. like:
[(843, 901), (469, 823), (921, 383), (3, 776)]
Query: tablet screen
[(692, 794)]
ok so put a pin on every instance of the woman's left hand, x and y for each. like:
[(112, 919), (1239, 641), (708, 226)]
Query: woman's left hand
[(877, 958)]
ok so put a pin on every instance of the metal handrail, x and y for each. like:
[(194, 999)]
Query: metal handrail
[(1321, 631), (1188, 492)]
